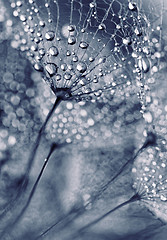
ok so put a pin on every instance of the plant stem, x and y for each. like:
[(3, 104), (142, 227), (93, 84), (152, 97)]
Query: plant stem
[(134, 198)]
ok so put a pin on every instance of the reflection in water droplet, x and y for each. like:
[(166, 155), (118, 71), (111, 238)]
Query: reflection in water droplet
[(51, 68), (53, 51)]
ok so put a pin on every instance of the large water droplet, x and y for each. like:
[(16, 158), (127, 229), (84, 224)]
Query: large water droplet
[(132, 6), (83, 45), (53, 51), (144, 64), (71, 40), (49, 35), (81, 67), (51, 68)]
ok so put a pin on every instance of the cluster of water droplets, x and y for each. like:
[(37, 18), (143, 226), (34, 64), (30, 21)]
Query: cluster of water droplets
[(80, 55)]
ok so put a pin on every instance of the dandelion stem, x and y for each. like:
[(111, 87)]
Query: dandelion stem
[(134, 198)]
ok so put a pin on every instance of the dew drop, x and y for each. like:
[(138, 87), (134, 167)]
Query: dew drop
[(71, 40), (137, 32), (102, 60), (49, 35), (33, 48), (126, 41), (71, 28), (42, 51), (42, 23), (83, 45), (68, 53), (132, 6), (92, 5), (102, 26), (67, 76), (53, 51), (163, 198), (23, 18), (75, 59), (38, 67), (51, 68), (64, 66), (91, 59), (144, 64), (81, 67), (58, 77)]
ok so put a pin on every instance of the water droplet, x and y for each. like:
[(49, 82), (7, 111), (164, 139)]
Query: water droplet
[(126, 41), (75, 59), (67, 76), (71, 40), (132, 6), (19, 3), (53, 51), (144, 64), (23, 18), (68, 53), (42, 51), (64, 66), (83, 45), (102, 26), (51, 68), (58, 77), (34, 48), (81, 67), (92, 4), (42, 23), (38, 67), (102, 60), (163, 198), (137, 32), (49, 35), (91, 59), (71, 28)]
